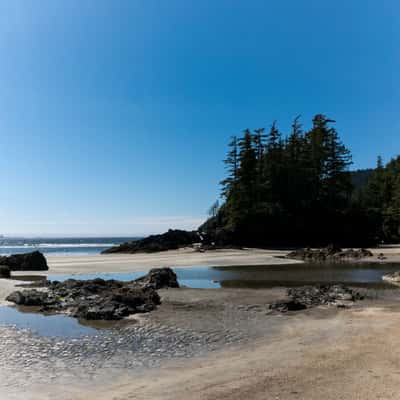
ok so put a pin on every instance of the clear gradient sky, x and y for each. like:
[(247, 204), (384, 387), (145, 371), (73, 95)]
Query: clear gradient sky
[(114, 115)]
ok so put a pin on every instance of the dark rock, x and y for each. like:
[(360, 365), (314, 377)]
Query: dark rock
[(98, 298), (107, 311), (330, 253), (29, 298), (5, 271), (16, 297), (313, 296), (25, 262), (159, 278), (145, 308), (171, 240), (291, 305)]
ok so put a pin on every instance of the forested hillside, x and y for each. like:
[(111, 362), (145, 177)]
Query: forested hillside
[(297, 189)]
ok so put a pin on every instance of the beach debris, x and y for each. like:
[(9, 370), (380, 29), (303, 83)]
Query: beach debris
[(304, 297), (329, 253), (34, 261), (99, 299)]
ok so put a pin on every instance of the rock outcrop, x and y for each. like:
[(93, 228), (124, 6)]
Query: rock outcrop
[(35, 261), (159, 278), (330, 253), (5, 271), (99, 299), (304, 297), (171, 240)]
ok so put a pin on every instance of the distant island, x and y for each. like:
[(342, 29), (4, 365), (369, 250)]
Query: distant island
[(294, 190)]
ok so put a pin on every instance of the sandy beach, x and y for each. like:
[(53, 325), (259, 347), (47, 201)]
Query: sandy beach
[(203, 344), (174, 258)]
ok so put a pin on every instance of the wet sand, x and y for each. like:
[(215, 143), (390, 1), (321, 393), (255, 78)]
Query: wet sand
[(351, 355)]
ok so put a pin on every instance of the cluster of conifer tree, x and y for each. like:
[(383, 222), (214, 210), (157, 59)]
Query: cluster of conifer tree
[(380, 198), (297, 189)]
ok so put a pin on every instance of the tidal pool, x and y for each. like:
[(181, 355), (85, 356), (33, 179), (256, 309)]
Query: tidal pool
[(44, 325)]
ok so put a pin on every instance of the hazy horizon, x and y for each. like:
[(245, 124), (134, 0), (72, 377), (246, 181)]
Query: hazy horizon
[(162, 226)]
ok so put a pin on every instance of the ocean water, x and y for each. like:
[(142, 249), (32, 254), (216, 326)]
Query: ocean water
[(60, 246)]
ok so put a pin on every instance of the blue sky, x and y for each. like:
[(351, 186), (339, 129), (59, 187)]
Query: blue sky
[(114, 115)]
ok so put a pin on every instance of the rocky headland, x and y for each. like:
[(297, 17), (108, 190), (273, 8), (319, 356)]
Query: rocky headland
[(171, 240)]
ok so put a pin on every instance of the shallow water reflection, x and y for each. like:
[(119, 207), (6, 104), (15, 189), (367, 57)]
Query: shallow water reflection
[(44, 325)]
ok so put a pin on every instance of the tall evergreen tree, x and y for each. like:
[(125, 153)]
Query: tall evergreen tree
[(273, 163), (296, 166), (232, 165), (247, 172), (337, 185)]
